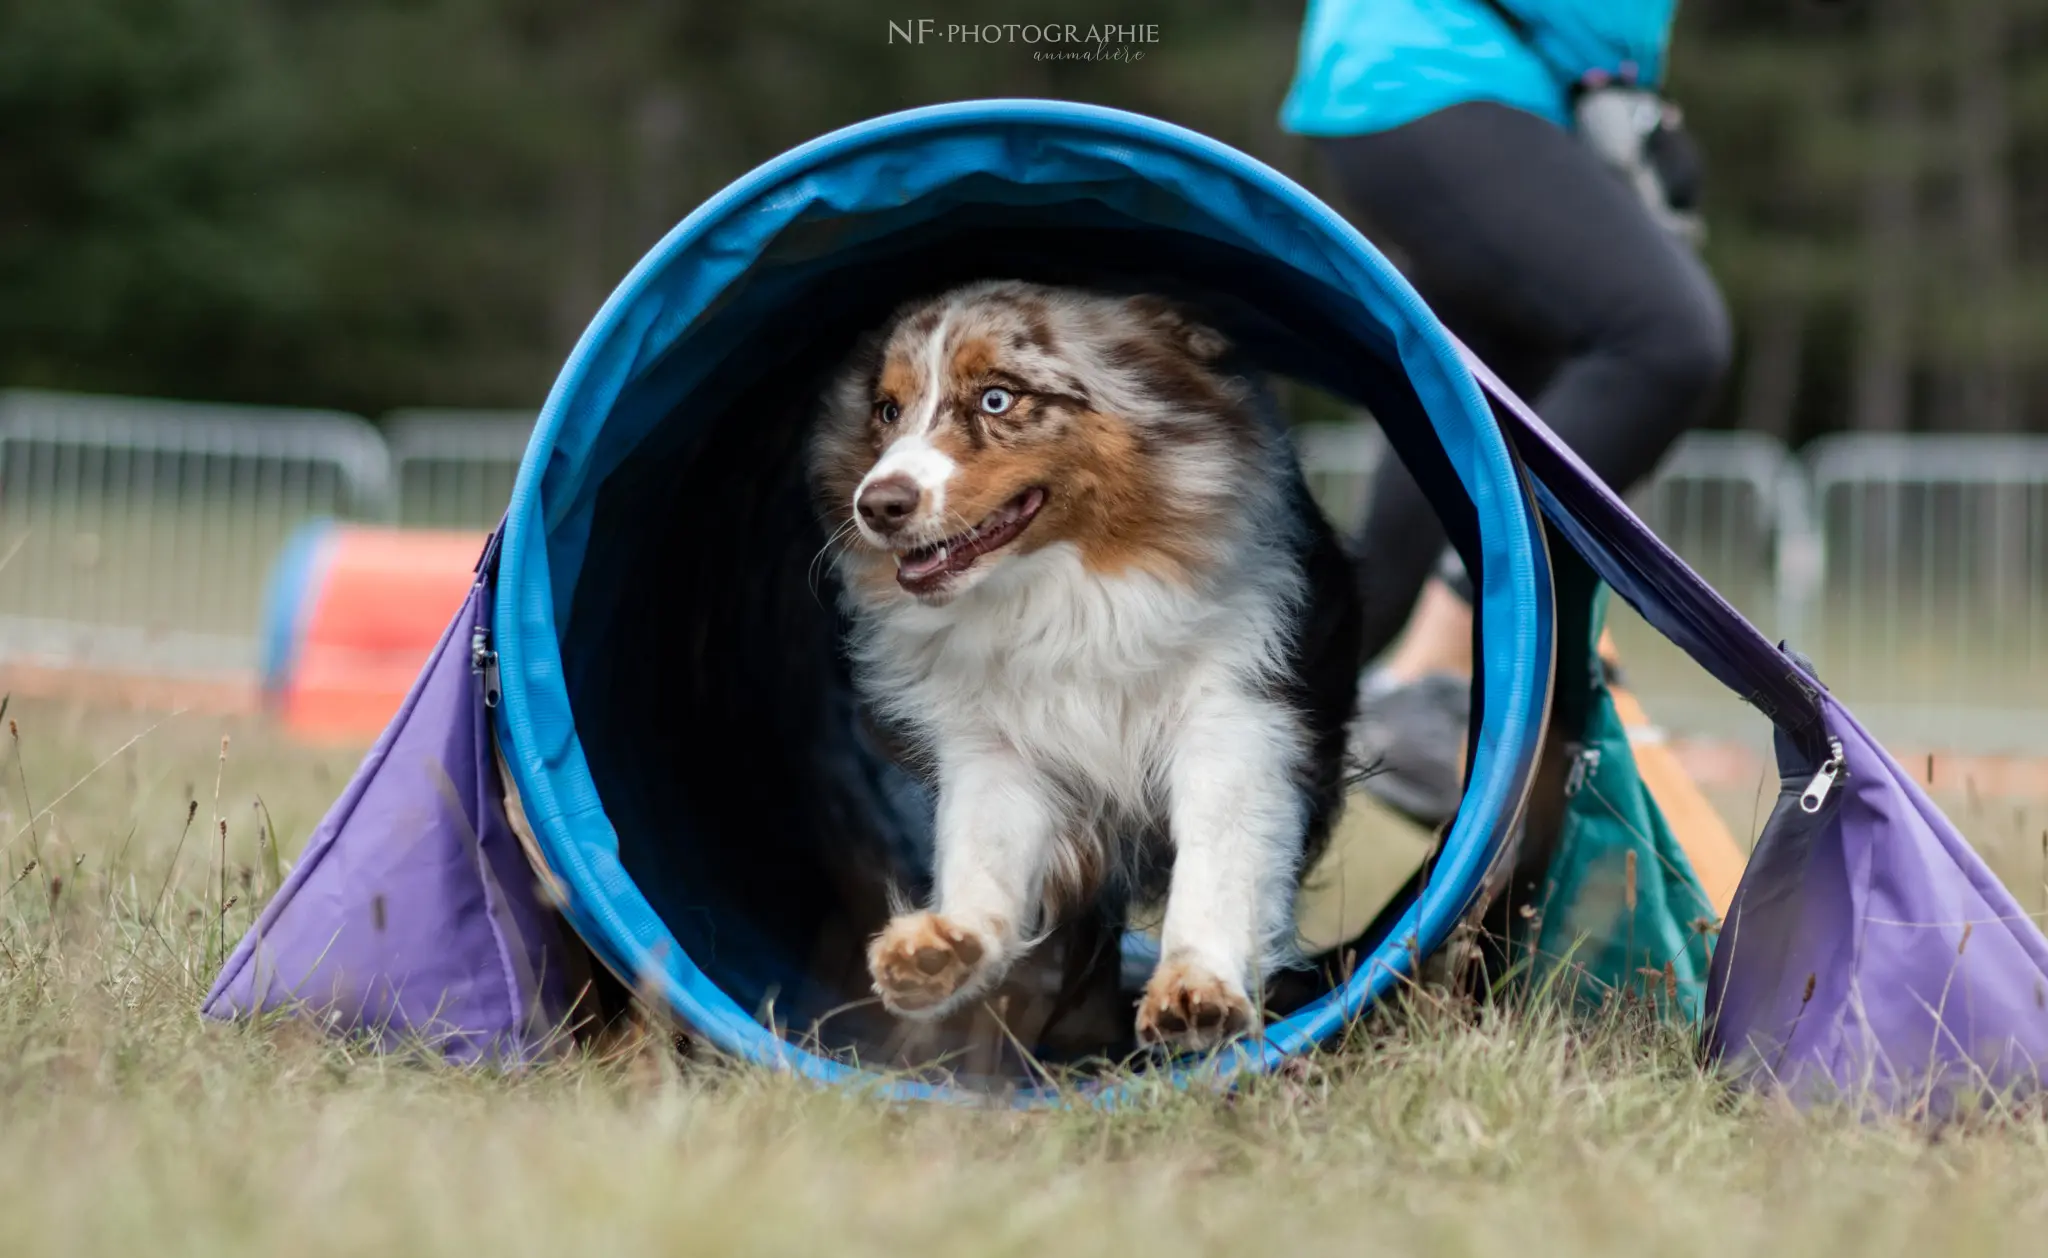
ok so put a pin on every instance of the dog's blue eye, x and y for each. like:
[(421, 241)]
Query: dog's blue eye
[(996, 401), (888, 412)]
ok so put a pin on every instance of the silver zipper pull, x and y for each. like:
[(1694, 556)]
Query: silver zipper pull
[(483, 661), (1816, 792), (1585, 762)]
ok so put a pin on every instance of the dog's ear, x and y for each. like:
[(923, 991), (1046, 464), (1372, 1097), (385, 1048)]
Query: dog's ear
[(1196, 339)]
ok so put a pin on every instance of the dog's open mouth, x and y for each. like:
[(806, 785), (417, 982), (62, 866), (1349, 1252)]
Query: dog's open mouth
[(925, 569)]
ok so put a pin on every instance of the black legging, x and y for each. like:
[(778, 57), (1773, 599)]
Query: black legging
[(1537, 256)]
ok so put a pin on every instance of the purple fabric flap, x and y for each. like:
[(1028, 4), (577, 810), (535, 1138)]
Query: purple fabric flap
[(1869, 953), (1871, 956), (412, 914)]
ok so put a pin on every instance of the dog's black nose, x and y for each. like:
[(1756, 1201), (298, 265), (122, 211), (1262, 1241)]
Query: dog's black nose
[(887, 503)]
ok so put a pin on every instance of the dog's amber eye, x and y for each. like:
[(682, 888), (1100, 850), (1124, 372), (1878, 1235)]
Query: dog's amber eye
[(888, 412), (996, 401)]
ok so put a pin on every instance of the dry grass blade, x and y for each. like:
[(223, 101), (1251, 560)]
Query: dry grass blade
[(171, 868), (88, 776), (21, 770), (266, 851)]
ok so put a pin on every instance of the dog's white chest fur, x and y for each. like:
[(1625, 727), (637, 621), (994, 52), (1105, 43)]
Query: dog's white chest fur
[(1087, 677)]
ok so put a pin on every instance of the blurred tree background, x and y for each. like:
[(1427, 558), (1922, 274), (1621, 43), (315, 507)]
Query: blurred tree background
[(408, 202)]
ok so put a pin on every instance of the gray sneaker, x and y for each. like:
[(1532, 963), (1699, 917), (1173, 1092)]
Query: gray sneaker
[(1409, 738)]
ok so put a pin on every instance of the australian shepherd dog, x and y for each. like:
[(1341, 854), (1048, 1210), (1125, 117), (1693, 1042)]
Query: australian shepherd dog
[(1085, 577)]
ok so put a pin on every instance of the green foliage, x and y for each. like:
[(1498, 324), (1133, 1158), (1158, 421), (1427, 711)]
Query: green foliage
[(1810, 113), (396, 202), (423, 201)]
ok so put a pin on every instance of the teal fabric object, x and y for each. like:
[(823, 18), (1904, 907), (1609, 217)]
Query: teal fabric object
[(1597, 934), (1369, 65)]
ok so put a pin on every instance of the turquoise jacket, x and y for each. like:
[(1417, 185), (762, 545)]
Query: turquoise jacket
[(1367, 65)]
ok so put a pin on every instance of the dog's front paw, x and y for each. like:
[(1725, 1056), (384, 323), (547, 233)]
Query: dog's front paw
[(1188, 1007), (924, 964)]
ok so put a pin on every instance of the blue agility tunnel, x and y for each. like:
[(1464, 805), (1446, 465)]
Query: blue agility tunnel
[(680, 416), (654, 657)]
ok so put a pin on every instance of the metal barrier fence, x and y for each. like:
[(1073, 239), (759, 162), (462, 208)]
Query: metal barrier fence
[(1717, 498), (1733, 505), (1933, 608), (138, 534), (454, 469), (1914, 570)]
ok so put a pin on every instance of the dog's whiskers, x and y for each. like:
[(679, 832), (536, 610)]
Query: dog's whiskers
[(811, 574), (969, 531)]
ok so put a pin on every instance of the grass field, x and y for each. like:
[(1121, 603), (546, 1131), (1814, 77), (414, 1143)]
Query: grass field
[(127, 1126)]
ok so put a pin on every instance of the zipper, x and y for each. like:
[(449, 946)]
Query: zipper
[(1585, 763), (483, 661), (1816, 792)]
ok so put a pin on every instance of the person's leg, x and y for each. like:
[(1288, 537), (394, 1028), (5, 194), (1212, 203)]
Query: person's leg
[(1542, 261), (1437, 637), (1516, 234)]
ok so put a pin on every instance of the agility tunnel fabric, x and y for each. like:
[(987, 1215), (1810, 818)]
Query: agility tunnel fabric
[(658, 654), (412, 913)]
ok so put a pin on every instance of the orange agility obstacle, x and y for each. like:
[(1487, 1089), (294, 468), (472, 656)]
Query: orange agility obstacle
[(353, 613)]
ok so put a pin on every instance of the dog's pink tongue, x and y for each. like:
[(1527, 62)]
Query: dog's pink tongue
[(924, 566)]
